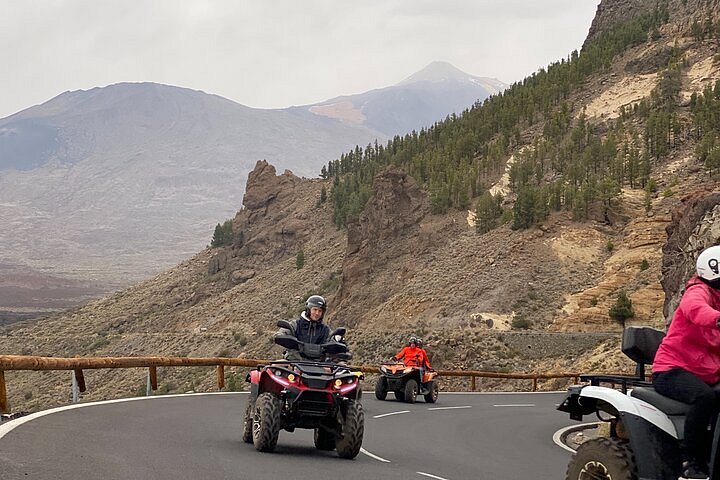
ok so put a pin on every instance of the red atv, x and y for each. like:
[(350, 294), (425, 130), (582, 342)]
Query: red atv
[(405, 382), (317, 393)]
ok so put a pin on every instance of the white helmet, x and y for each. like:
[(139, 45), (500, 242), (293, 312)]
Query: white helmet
[(708, 264)]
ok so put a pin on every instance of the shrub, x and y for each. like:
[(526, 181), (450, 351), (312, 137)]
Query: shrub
[(520, 323), (644, 265)]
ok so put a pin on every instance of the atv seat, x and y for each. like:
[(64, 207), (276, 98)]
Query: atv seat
[(664, 404)]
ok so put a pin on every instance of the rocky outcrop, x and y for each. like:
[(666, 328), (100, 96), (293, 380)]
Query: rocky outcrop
[(681, 14), (268, 229), (380, 238), (694, 227)]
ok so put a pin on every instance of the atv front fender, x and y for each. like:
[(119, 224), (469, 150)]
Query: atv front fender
[(624, 403), (651, 434)]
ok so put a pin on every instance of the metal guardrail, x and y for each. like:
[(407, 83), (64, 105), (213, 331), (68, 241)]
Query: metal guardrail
[(78, 364)]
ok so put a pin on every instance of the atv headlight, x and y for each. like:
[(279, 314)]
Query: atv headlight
[(407, 370), (291, 378), (383, 369), (338, 383)]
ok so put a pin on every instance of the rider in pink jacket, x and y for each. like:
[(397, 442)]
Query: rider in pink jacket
[(693, 339), (687, 364)]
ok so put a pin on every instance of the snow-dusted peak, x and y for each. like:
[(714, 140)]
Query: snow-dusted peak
[(444, 71)]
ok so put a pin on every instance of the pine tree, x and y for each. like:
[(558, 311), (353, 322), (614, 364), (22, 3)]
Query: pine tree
[(622, 309), (223, 235), (488, 212)]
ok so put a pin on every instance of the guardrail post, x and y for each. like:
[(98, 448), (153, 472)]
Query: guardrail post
[(472, 383), (80, 377), (535, 384), (75, 392), (151, 381), (4, 407), (221, 377)]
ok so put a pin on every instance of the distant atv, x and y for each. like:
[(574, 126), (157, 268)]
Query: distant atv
[(405, 382), (316, 394)]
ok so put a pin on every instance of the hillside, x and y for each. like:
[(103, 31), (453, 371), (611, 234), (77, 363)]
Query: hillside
[(522, 298)]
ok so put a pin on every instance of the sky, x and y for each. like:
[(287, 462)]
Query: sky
[(274, 53)]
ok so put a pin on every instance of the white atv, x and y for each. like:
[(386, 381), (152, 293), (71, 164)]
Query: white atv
[(645, 427)]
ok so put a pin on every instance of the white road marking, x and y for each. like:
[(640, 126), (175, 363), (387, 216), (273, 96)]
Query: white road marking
[(6, 428), (391, 413), (516, 405), (449, 408), (431, 476), (380, 459)]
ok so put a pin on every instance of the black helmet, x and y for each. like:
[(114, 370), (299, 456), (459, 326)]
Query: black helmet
[(413, 339), (419, 342), (315, 301)]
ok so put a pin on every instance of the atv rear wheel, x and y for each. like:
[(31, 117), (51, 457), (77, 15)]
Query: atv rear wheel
[(324, 440), (247, 434), (602, 459), (411, 391), (353, 428), (432, 395), (266, 422), (381, 388)]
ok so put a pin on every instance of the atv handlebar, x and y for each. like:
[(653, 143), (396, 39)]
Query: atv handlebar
[(312, 350)]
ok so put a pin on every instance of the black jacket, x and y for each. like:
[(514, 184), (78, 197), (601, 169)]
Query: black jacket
[(307, 331)]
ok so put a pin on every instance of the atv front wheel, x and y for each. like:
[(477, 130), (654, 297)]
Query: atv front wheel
[(247, 434), (602, 459), (266, 422), (411, 391), (432, 395), (352, 431), (324, 440), (381, 388)]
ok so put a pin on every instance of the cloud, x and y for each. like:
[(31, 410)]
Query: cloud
[(273, 53)]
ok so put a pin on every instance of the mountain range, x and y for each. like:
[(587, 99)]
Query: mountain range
[(110, 185)]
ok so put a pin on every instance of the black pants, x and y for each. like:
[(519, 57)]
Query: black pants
[(686, 387)]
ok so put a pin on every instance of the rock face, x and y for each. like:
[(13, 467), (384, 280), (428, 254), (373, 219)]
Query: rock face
[(681, 14), (695, 226), (267, 229), (391, 217)]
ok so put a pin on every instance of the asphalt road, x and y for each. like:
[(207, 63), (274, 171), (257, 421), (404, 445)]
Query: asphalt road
[(463, 436)]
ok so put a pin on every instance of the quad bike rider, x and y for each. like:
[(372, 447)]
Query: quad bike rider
[(408, 375), (654, 436), (312, 388)]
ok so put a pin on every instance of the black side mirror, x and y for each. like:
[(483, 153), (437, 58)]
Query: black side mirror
[(284, 324)]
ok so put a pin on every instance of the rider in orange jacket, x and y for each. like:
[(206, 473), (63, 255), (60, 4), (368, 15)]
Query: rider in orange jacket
[(414, 354)]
